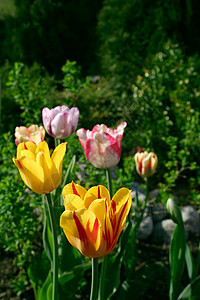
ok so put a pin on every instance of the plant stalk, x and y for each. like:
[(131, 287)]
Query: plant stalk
[(94, 284), (54, 265)]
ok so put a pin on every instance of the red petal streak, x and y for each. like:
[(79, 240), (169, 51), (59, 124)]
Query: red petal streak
[(120, 217), (81, 230), (94, 233), (20, 165), (99, 194), (25, 147), (74, 189), (113, 206)]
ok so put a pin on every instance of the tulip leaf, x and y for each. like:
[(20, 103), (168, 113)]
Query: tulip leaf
[(177, 260), (43, 292), (191, 291), (47, 236), (38, 271), (69, 171), (189, 263)]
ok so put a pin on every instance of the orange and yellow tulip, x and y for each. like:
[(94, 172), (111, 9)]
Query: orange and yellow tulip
[(146, 163), (92, 222), (40, 172)]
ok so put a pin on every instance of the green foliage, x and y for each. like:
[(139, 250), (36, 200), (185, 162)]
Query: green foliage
[(49, 32), (20, 215), (130, 32), (32, 89)]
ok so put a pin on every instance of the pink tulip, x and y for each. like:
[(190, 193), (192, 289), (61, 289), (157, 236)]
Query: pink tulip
[(60, 122), (102, 145)]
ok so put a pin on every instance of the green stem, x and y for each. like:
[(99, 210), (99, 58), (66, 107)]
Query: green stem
[(109, 182), (94, 284), (55, 247), (105, 259), (56, 142)]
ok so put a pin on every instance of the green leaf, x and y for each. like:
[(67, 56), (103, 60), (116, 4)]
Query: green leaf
[(191, 291), (189, 263), (69, 171), (47, 236), (43, 292), (177, 260)]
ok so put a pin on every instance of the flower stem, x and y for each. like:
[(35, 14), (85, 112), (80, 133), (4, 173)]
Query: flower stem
[(109, 182), (105, 259), (54, 265), (94, 284)]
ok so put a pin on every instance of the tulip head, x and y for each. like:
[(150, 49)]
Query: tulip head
[(92, 222), (102, 145), (40, 172), (33, 133), (60, 122), (146, 163)]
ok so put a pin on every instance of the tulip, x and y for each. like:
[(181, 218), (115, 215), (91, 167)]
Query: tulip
[(38, 170), (146, 163), (102, 145), (92, 222), (60, 122), (33, 133)]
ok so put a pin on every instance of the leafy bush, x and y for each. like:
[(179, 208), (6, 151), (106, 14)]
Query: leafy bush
[(20, 215)]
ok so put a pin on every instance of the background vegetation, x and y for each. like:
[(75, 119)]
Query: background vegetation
[(134, 61)]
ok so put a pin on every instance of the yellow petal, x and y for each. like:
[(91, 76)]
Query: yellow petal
[(26, 146), (121, 204), (98, 207), (31, 173), (73, 202), (42, 161), (83, 231), (28, 154), (44, 148), (58, 155), (96, 192), (73, 188)]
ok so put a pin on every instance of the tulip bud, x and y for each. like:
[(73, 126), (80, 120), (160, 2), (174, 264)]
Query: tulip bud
[(60, 122), (174, 211), (146, 163), (33, 133)]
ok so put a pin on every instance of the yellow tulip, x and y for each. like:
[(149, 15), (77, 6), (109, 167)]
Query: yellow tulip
[(92, 222), (40, 172)]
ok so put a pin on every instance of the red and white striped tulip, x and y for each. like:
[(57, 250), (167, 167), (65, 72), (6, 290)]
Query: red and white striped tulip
[(146, 163), (102, 145)]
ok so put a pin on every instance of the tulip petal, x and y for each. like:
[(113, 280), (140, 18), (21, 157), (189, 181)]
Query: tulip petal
[(96, 192), (48, 185), (83, 231), (31, 173), (44, 148), (73, 188), (102, 152), (26, 146), (28, 154), (98, 207), (121, 204), (58, 155), (73, 202)]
